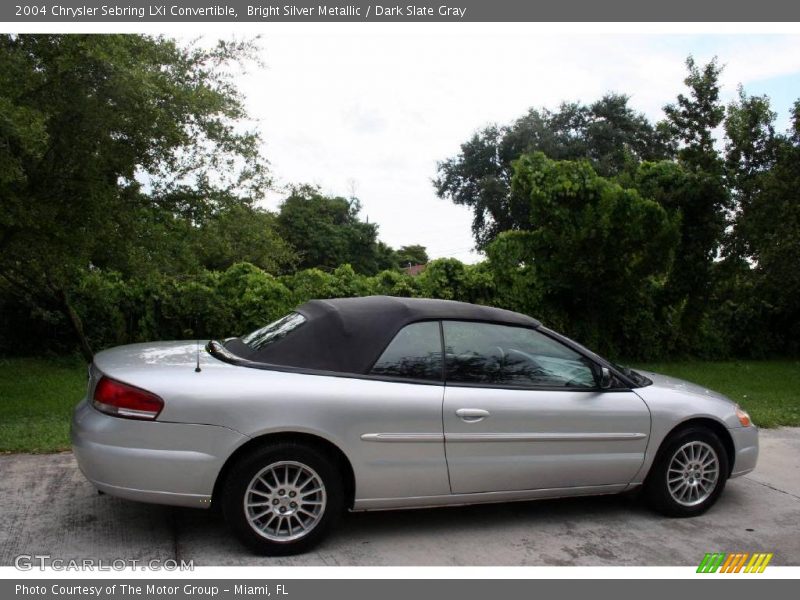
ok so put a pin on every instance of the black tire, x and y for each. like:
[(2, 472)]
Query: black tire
[(656, 489), (244, 472)]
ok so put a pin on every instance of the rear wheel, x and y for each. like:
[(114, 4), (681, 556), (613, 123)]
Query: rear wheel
[(689, 474), (282, 499)]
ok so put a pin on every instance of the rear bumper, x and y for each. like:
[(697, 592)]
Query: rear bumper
[(745, 442), (151, 461)]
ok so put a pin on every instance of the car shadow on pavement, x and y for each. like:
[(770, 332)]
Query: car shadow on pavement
[(435, 536), (601, 530)]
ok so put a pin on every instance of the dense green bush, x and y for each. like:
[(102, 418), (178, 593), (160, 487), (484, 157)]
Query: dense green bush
[(213, 304), (227, 303)]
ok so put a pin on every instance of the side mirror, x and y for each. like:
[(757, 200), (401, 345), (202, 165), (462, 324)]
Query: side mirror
[(603, 378)]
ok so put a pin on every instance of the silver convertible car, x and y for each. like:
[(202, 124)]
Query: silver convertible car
[(385, 403)]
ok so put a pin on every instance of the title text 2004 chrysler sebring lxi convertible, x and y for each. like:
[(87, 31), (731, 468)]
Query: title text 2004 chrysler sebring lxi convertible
[(378, 403)]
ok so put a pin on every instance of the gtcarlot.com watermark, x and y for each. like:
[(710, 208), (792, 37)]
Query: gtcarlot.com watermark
[(30, 562)]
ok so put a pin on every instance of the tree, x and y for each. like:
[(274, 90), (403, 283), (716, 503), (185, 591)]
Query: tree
[(608, 133), (589, 257), (698, 193), (450, 279), (415, 254), (480, 179), (241, 233), (385, 257), (771, 223), (751, 151), (97, 131), (693, 118), (326, 232)]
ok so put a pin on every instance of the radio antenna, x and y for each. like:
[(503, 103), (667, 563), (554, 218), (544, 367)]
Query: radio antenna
[(194, 331)]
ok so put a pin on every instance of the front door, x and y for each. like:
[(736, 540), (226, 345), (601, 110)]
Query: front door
[(522, 412)]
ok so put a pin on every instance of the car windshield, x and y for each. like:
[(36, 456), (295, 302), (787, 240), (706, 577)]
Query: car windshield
[(273, 332)]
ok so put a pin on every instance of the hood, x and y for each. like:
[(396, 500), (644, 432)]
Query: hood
[(666, 382)]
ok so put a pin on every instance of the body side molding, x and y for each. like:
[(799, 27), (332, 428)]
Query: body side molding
[(501, 437), (543, 437), (402, 437)]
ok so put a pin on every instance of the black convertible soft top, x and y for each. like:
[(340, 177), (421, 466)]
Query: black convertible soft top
[(347, 335)]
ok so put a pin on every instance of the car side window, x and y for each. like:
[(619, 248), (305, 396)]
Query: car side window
[(414, 353), (504, 355)]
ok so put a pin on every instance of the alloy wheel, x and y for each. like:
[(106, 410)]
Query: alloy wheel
[(693, 473), (285, 501)]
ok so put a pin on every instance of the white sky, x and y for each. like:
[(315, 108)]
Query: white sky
[(378, 108)]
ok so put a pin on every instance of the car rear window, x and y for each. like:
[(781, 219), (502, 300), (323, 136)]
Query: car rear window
[(273, 332)]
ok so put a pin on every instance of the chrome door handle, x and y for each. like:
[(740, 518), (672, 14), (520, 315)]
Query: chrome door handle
[(472, 415)]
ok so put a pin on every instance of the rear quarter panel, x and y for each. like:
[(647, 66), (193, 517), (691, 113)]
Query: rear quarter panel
[(257, 402)]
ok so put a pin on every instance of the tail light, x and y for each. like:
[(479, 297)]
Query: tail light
[(123, 400)]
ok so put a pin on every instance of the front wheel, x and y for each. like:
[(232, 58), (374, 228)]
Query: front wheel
[(282, 499), (689, 474)]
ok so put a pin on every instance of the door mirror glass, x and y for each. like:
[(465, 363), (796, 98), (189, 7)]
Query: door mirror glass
[(604, 378)]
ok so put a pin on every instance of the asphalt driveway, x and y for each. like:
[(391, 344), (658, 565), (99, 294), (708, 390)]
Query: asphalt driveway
[(49, 508)]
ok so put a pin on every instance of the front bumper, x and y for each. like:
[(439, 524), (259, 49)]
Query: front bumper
[(745, 442), (151, 461)]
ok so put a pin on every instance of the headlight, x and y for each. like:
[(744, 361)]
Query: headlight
[(743, 417)]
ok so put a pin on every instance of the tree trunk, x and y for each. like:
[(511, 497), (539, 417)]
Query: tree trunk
[(77, 327)]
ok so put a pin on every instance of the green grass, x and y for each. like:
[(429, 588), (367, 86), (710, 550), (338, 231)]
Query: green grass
[(36, 401), (37, 395), (768, 390)]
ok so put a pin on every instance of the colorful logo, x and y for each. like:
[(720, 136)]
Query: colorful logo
[(734, 562)]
